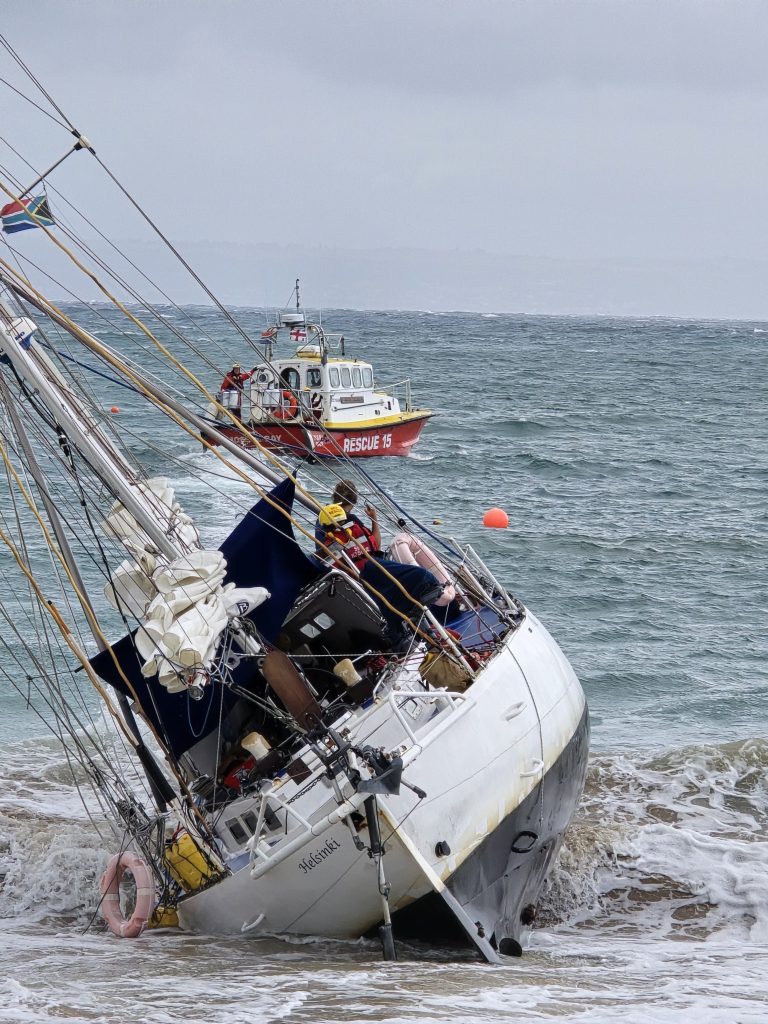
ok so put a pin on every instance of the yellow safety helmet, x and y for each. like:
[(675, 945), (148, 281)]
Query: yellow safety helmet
[(332, 515)]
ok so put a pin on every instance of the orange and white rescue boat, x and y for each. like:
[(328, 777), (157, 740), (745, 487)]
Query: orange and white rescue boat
[(319, 401)]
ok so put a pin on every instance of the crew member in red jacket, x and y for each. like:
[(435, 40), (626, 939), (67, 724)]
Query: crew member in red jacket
[(235, 381)]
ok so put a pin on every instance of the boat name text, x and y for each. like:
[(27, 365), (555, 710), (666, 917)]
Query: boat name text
[(367, 444), (318, 856)]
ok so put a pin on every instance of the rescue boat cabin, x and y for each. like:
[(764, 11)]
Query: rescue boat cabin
[(323, 399)]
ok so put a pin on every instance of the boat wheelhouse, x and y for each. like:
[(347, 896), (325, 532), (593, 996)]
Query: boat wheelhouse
[(319, 401)]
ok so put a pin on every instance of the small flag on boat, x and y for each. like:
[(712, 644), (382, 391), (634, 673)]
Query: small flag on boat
[(28, 213), (297, 334)]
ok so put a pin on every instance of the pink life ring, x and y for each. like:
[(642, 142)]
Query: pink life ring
[(110, 895)]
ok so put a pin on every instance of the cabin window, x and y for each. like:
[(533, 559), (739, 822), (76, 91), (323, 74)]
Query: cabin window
[(334, 377), (357, 377), (314, 378), (290, 378), (346, 377), (368, 376)]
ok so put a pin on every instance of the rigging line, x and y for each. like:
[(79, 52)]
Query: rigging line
[(180, 367), (18, 257), (35, 105), (144, 303), (31, 76), (434, 536), (56, 616), (93, 622), (74, 509), (110, 324), (91, 369), (133, 202), (108, 356), (180, 309), (261, 353), (96, 629), (59, 727), (146, 217), (80, 655), (38, 627), (219, 305), (53, 696), (66, 596), (236, 422)]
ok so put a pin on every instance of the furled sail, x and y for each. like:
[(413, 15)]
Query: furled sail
[(184, 604)]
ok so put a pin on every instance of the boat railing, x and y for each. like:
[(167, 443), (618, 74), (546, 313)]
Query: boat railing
[(480, 576), (396, 390), (263, 856)]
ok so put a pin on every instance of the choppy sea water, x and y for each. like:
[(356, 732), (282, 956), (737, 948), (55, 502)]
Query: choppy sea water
[(632, 458)]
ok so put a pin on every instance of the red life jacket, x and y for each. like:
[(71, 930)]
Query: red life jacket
[(355, 543)]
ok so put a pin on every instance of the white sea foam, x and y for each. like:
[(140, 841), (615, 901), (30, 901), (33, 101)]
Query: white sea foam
[(660, 888)]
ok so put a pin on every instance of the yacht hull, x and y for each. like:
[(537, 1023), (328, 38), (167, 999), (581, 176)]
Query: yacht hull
[(502, 767)]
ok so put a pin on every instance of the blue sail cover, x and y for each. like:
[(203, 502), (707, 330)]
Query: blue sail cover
[(261, 552)]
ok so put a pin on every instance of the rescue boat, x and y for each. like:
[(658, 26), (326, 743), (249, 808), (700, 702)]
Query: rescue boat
[(318, 402)]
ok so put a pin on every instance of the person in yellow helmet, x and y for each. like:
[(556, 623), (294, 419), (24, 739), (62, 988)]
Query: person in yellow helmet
[(340, 530)]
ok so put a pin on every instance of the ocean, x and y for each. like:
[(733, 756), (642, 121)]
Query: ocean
[(632, 459)]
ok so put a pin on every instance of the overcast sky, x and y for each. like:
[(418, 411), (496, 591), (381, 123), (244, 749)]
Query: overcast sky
[(584, 130)]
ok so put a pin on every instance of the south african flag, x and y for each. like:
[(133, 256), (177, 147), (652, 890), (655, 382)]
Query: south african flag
[(19, 216)]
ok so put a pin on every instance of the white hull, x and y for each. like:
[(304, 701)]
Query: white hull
[(480, 757)]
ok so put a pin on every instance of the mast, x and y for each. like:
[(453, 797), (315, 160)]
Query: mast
[(161, 790), (88, 438)]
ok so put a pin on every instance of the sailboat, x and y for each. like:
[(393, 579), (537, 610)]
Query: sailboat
[(284, 738)]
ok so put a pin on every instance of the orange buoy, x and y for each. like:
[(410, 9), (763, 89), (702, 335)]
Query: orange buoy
[(496, 518), (115, 408)]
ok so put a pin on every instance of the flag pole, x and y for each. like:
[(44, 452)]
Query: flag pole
[(82, 143)]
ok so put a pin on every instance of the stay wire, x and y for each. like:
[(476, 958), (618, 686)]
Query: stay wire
[(32, 102), (27, 71), (179, 309)]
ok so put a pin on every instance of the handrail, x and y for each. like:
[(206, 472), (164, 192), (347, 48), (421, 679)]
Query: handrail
[(459, 702)]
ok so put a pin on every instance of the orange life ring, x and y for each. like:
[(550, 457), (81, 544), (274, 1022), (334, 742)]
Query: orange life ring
[(110, 895), (288, 408)]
